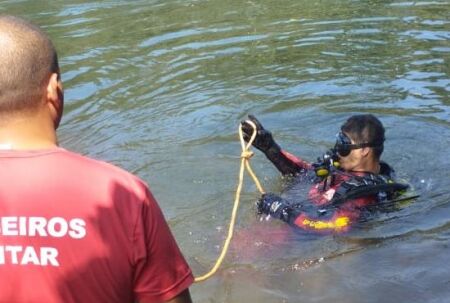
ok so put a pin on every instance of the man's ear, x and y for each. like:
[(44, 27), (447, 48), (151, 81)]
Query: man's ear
[(366, 151), (55, 98)]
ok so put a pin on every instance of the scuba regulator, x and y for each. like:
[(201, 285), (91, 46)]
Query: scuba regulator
[(326, 164)]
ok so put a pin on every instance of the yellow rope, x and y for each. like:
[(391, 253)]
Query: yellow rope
[(245, 163)]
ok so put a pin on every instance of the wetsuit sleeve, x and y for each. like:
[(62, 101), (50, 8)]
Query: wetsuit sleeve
[(338, 221), (285, 162), (332, 218), (322, 220)]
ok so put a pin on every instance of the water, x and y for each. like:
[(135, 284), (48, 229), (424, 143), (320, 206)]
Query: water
[(159, 87)]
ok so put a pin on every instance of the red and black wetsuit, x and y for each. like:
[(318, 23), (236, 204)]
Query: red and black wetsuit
[(339, 201)]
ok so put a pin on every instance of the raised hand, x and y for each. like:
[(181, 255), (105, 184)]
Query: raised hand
[(263, 140)]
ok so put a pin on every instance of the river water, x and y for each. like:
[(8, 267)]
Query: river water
[(159, 88)]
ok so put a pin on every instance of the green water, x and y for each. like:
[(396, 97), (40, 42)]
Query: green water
[(159, 87)]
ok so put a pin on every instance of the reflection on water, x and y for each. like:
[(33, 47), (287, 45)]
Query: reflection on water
[(159, 87)]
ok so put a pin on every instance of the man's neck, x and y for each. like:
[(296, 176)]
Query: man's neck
[(372, 167), (27, 133)]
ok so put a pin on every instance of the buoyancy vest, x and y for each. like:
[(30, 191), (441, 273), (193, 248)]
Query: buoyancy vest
[(382, 186)]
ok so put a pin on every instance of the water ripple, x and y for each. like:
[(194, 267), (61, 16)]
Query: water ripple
[(159, 87)]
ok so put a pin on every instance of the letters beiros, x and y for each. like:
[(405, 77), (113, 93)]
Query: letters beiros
[(55, 227)]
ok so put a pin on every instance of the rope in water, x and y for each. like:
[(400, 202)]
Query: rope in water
[(245, 163)]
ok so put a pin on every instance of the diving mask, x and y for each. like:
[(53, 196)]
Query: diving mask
[(344, 145)]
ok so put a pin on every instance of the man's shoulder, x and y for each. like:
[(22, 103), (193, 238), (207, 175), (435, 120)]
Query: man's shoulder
[(96, 170), (90, 161), (386, 169)]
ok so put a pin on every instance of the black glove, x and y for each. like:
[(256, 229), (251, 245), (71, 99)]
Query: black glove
[(263, 140), (275, 206)]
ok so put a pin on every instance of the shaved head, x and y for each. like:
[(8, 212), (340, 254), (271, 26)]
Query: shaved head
[(27, 60)]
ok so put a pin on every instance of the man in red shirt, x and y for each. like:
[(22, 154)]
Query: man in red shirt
[(72, 229), (348, 180)]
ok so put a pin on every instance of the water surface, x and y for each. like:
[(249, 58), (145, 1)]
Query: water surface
[(159, 87)]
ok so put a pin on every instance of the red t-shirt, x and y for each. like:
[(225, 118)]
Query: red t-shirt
[(73, 229)]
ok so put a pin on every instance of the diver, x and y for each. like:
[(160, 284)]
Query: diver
[(348, 179)]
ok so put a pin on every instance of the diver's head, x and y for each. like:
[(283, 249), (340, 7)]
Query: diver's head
[(360, 143)]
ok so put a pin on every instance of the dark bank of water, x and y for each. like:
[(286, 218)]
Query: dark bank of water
[(159, 87)]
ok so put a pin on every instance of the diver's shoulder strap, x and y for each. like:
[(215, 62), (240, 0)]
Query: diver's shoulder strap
[(357, 187)]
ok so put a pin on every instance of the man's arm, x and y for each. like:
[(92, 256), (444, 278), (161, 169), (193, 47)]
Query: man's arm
[(161, 272), (337, 221), (183, 297), (285, 162), (329, 219)]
